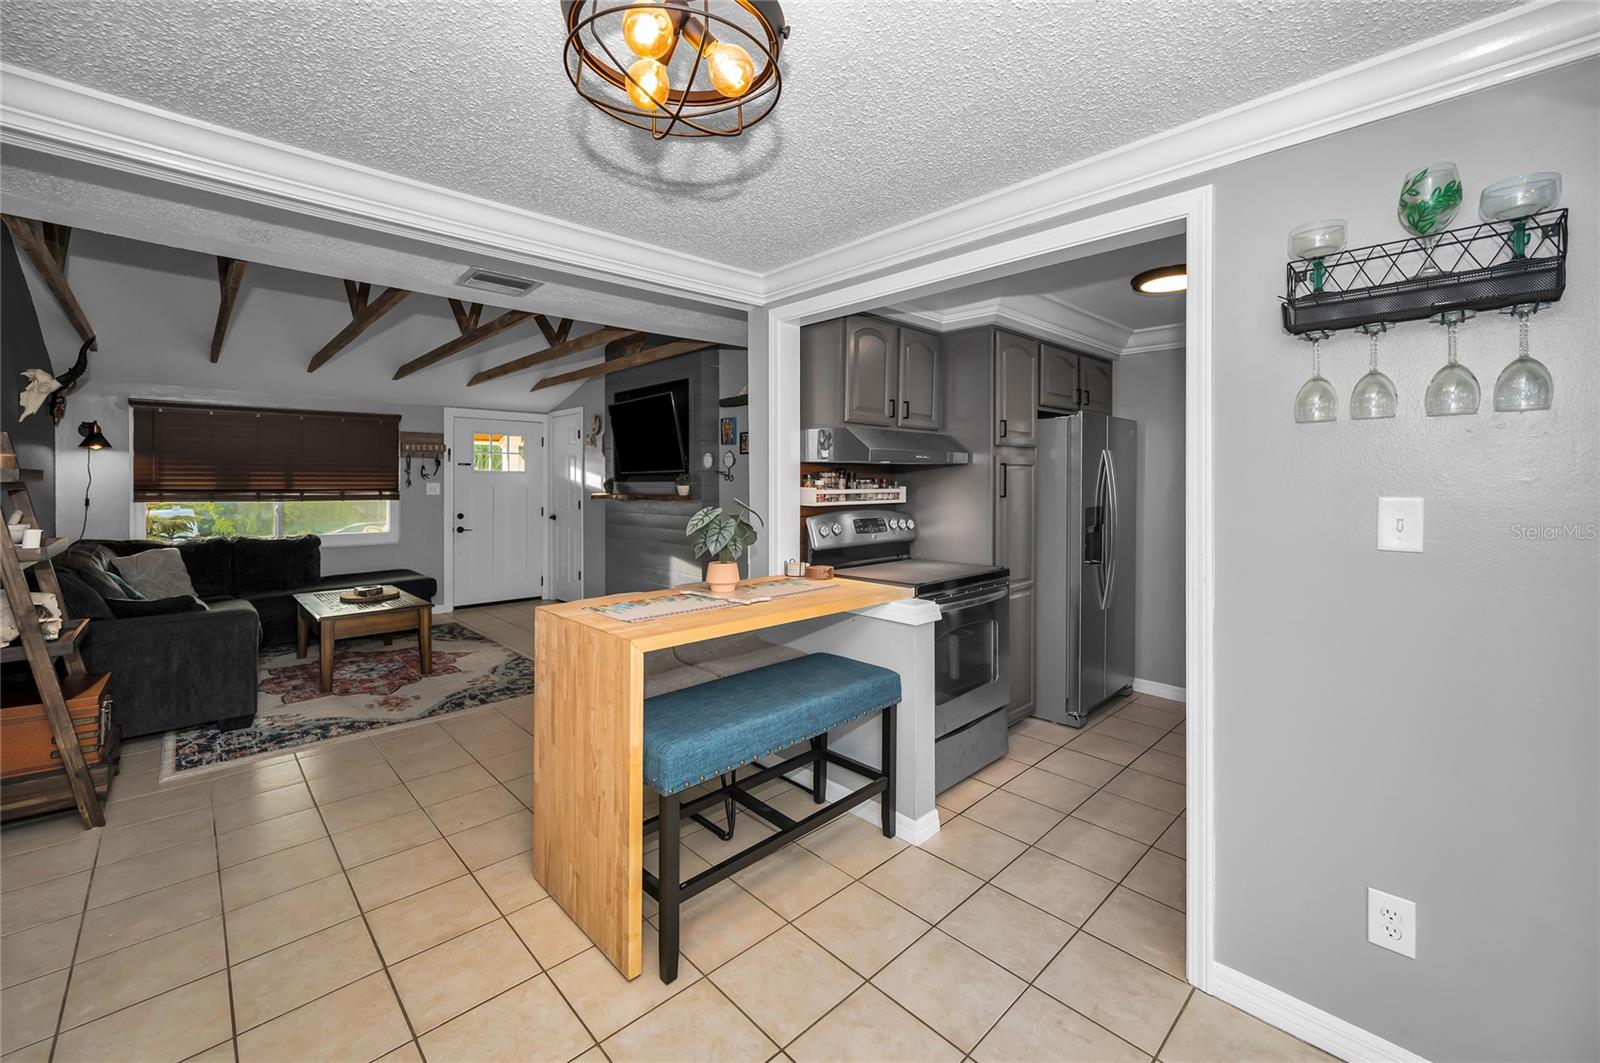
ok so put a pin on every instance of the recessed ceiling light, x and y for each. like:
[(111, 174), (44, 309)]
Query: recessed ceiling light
[(1168, 280), (500, 283)]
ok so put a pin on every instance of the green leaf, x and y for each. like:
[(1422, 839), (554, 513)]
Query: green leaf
[(702, 518)]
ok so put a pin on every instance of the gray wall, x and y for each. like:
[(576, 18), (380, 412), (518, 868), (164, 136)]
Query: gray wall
[(645, 548), (733, 372), (24, 346), (1423, 723), (1149, 389), (591, 395)]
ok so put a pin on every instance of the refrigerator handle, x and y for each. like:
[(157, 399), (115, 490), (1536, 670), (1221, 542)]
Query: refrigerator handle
[(1115, 521)]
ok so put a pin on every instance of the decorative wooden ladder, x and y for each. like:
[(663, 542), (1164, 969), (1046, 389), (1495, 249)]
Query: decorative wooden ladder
[(40, 652)]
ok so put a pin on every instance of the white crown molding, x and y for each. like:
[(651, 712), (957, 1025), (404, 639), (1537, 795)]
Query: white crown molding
[(64, 119), (1479, 55), (1046, 317), (1306, 1021), (72, 121)]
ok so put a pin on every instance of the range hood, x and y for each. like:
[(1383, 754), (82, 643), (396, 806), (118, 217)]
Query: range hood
[(848, 444)]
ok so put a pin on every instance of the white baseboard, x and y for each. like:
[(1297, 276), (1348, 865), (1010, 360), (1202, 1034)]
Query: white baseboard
[(907, 829), (1159, 690), (1305, 1021)]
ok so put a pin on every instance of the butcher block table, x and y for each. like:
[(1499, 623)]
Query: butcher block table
[(336, 619), (588, 743)]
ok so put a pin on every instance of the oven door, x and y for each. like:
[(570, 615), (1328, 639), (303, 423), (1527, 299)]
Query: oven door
[(970, 655)]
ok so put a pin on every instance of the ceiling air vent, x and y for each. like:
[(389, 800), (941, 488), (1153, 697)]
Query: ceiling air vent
[(499, 283)]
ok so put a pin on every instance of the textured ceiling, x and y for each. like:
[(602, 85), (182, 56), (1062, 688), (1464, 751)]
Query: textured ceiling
[(891, 109)]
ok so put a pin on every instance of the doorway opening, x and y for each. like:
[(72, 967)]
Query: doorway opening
[(496, 497), (977, 526)]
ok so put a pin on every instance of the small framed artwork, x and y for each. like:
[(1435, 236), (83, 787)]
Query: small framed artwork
[(730, 430), (744, 442)]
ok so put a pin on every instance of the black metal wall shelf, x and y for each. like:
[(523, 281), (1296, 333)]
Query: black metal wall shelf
[(1481, 267)]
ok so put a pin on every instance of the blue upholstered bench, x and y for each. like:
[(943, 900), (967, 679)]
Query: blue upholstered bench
[(712, 730)]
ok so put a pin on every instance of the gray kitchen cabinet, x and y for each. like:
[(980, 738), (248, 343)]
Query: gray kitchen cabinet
[(1021, 662), (871, 372), (1094, 384), (1058, 379), (920, 377), (1014, 514), (1014, 547), (1016, 389)]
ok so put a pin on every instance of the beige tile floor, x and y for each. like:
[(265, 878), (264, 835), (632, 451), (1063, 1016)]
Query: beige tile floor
[(373, 900)]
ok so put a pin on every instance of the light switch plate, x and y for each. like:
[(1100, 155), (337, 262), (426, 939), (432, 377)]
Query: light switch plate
[(1400, 524), (433, 489)]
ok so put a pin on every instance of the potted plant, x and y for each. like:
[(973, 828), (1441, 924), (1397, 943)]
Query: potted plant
[(683, 485), (723, 538)]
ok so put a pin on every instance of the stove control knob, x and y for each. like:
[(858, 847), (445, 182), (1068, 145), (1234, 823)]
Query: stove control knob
[(822, 531), (897, 524), (836, 529), (911, 525)]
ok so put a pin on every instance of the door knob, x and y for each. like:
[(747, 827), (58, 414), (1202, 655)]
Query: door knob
[(552, 516), (460, 529)]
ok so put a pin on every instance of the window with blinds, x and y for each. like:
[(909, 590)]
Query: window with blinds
[(190, 451)]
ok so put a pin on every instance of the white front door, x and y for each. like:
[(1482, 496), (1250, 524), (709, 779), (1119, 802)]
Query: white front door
[(567, 493), (497, 525)]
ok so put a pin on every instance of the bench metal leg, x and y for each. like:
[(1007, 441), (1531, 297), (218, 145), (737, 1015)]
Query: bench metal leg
[(670, 883), (819, 769), (887, 798), (728, 810)]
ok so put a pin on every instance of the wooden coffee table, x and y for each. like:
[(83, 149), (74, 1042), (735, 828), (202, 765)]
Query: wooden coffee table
[(336, 620)]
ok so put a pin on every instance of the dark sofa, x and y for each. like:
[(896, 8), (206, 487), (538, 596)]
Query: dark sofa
[(184, 669)]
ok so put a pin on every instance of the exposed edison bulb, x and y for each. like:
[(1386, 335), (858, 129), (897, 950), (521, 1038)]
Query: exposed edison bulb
[(647, 84), (730, 68), (648, 30)]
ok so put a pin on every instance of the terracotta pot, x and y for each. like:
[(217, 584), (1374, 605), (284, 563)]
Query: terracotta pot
[(723, 576)]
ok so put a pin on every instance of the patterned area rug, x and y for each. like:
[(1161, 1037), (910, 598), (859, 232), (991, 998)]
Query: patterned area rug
[(374, 686)]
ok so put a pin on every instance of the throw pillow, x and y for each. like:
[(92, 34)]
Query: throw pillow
[(81, 599), (131, 608), (103, 581), (156, 573)]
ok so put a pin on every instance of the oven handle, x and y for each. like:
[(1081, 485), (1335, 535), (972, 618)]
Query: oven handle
[(954, 604)]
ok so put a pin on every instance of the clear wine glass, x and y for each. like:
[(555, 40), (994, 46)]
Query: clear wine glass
[(1314, 242), (1375, 395), (1316, 401), (1516, 199), (1429, 199), (1453, 390), (1525, 384)]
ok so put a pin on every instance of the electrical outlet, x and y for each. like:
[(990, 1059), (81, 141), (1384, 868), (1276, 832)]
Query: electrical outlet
[(1392, 922)]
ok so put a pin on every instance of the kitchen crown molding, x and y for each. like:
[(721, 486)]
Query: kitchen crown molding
[(1047, 318), (72, 121)]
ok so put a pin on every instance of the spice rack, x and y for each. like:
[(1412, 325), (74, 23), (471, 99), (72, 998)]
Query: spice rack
[(851, 496)]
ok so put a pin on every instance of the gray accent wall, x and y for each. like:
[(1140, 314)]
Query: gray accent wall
[(1149, 390), (20, 338), (1426, 724)]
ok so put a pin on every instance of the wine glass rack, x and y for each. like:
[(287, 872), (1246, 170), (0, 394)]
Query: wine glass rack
[(1483, 267)]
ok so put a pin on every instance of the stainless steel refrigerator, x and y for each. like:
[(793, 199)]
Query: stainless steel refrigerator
[(1087, 490)]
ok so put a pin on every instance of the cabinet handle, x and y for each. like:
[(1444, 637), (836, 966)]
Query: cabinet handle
[(1004, 475), (890, 411), (1002, 428), (905, 406), (1086, 398)]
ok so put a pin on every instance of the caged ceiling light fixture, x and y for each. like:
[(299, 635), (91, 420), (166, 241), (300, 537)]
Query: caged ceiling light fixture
[(678, 68)]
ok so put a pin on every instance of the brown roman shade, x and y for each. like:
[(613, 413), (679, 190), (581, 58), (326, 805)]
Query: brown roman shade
[(188, 451)]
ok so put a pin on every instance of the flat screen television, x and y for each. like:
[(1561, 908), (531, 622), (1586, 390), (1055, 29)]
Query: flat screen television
[(650, 432)]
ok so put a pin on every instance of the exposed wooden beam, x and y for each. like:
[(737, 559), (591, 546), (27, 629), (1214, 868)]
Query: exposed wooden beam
[(492, 327), (554, 334), (56, 238), (624, 347), (356, 293), (39, 252), (599, 337), (466, 314), (645, 357), (230, 273), (371, 311)]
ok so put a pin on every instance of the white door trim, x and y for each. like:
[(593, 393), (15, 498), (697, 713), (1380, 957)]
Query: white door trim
[(447, 563), (775, 414), (550, 474)]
